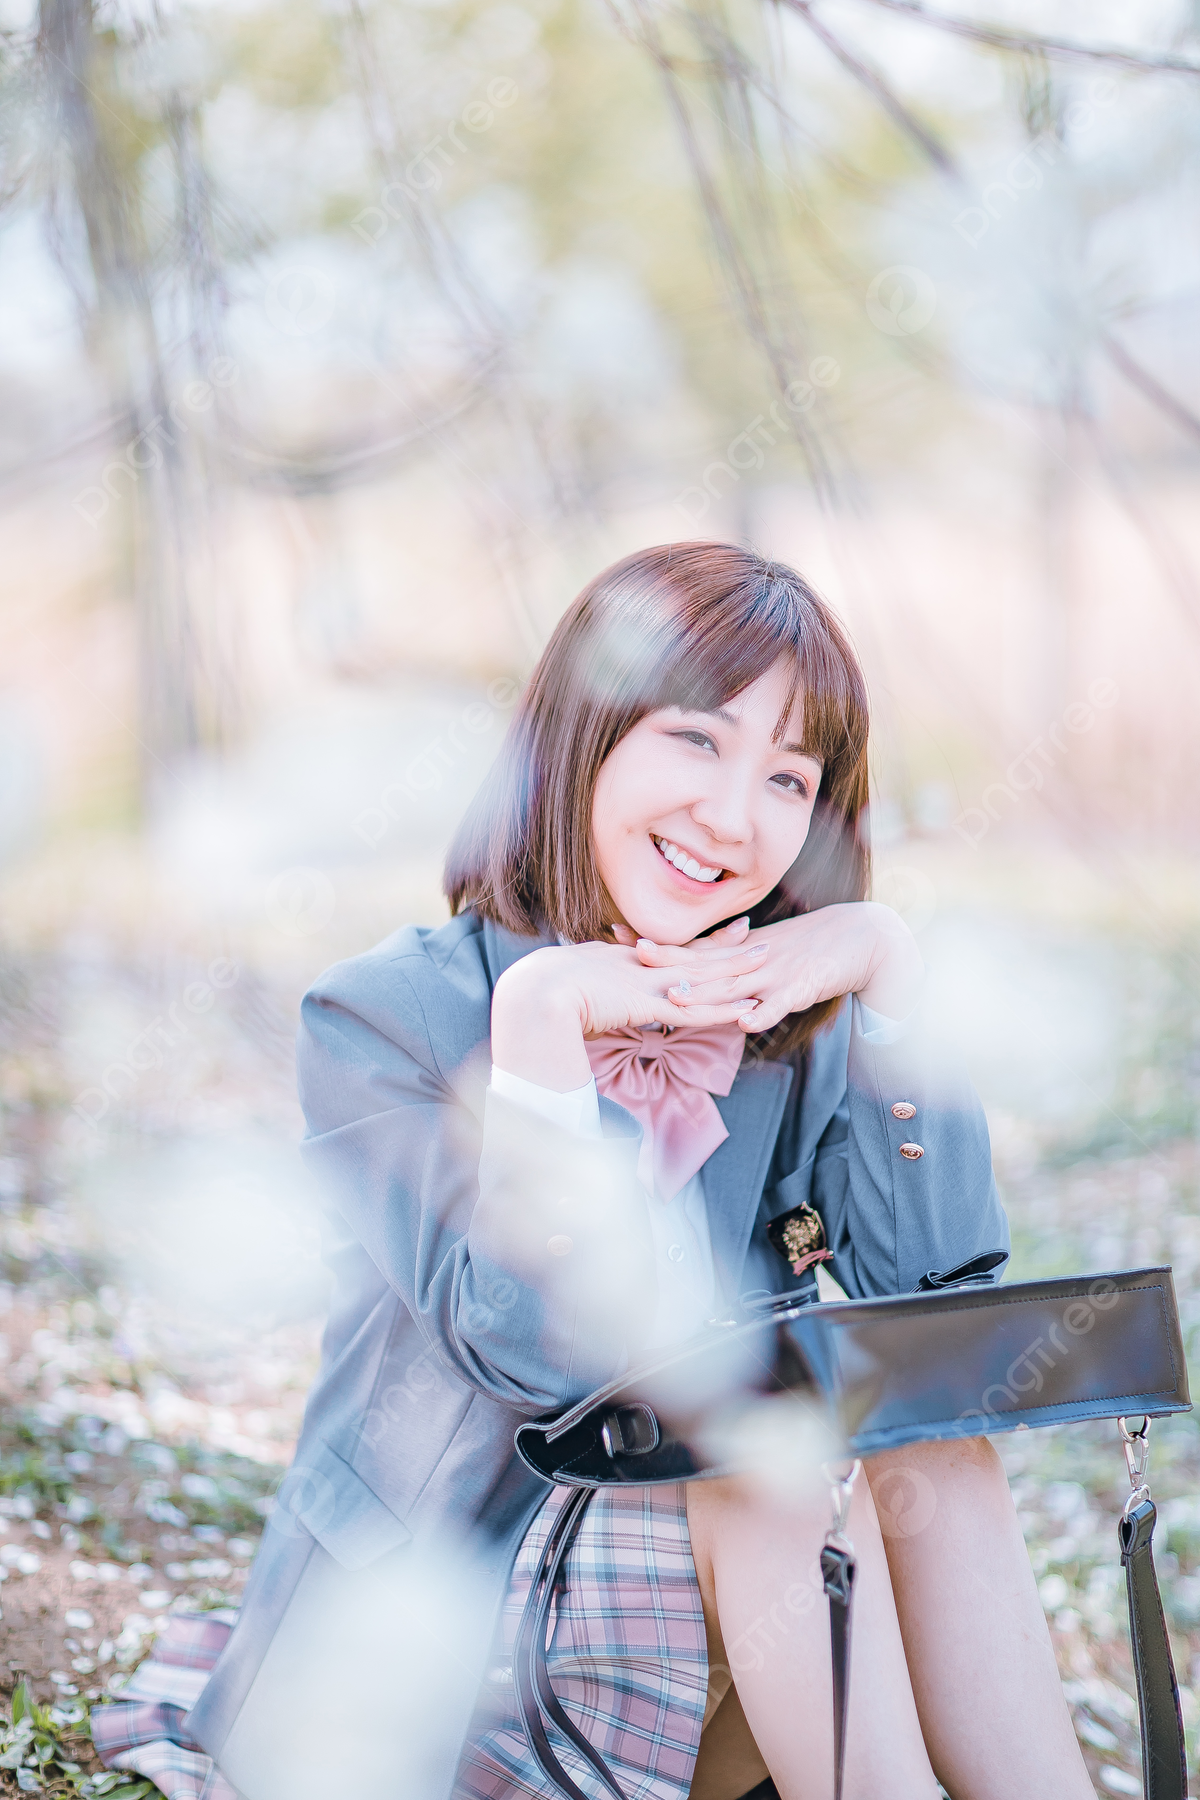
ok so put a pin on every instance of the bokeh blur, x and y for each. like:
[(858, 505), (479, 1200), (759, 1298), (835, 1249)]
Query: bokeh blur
[(340, 342)]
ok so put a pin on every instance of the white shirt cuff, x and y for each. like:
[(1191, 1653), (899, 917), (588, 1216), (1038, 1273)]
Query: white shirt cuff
[(577, 1111), (877, 1028)]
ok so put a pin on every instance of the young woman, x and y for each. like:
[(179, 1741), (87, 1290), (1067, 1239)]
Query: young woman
[(553, 1134)]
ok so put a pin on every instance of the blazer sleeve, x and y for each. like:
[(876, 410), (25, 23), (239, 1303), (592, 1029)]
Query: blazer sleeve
[(891, 1218), (521, 1250)]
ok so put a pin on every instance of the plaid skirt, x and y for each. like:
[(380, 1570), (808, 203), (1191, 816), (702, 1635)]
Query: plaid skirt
[(627, 1656), (144, 1730), (628, 1660)]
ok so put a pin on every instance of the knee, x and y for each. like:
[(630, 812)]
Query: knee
[(938, 1454), (922, 1477), (730, 1512)]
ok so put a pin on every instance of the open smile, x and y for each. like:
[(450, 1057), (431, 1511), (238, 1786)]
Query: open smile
[(686, 865)]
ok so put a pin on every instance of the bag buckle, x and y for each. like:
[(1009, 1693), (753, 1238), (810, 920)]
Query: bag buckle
[(630, 1431), (1136, 1445), (841, 1492)]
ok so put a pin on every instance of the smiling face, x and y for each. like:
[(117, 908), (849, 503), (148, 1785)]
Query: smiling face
[(697, 815)]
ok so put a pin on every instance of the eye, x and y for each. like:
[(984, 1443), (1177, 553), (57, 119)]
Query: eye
[(701, 739), (792, 784)]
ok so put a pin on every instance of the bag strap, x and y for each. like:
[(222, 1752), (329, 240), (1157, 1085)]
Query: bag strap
[(838, 1569), (1164, 1753), (539, 1705)]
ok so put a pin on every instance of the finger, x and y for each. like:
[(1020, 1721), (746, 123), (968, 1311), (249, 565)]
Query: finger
[(735, 932), (624, 934), (699, 962), (692, 987), (716, 992), (667, 1014), (654, 956), (761, 1015)]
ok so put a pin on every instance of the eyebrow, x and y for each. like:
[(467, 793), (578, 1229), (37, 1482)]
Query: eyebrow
[(718, 712)]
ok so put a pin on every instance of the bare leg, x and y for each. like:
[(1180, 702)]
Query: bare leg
[(730, 1762), (983, 1671), (756, 1561)]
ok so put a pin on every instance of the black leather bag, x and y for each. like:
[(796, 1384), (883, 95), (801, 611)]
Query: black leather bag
[(956, 1359)]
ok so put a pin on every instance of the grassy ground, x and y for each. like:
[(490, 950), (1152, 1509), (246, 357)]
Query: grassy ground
[(160, 1330)]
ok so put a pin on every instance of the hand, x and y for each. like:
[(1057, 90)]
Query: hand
[(858, 948), (548, 1003)]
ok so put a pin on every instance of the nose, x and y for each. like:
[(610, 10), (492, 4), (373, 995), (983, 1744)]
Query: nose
[(723, 811)]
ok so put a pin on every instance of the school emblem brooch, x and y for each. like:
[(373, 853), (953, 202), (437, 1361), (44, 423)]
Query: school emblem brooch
[(799, 1237)]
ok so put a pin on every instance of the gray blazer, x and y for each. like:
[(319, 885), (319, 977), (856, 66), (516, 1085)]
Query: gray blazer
[(451, 1320)]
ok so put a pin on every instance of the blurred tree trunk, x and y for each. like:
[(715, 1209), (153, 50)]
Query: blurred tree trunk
[(99, 148)]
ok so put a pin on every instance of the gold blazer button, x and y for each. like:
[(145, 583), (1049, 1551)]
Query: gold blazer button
[(904, 1109), (912, 1151)]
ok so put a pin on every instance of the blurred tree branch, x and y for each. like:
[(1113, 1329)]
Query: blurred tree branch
[(745, 229), (1031, 42), (869, 78), (1152, 390)]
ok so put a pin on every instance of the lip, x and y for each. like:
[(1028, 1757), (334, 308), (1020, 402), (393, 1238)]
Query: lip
[(688, 882)]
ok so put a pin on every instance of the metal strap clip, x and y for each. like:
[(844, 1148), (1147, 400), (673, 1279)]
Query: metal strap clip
[(1136, 1445), (841, 1492)]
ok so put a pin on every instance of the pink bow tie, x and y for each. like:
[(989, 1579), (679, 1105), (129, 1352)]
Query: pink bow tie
[(667, 1081)]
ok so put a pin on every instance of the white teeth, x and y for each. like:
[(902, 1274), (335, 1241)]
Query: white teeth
[(687, 865)]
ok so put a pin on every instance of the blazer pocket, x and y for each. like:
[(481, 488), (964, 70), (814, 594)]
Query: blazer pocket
[(333, 1503), (789, 1192)]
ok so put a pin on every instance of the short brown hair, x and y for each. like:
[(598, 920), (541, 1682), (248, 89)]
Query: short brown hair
[(687, 625)]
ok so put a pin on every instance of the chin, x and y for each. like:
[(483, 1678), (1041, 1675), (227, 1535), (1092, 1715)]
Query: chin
[(670, 922)]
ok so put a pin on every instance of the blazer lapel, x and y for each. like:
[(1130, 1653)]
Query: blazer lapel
[(734, 1174), (824, 1081)]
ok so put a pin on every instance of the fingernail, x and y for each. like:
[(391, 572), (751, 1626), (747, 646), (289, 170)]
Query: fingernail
[(685, 986), (647, 942)]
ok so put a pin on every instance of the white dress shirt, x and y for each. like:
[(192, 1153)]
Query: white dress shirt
[(679, 1226)]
